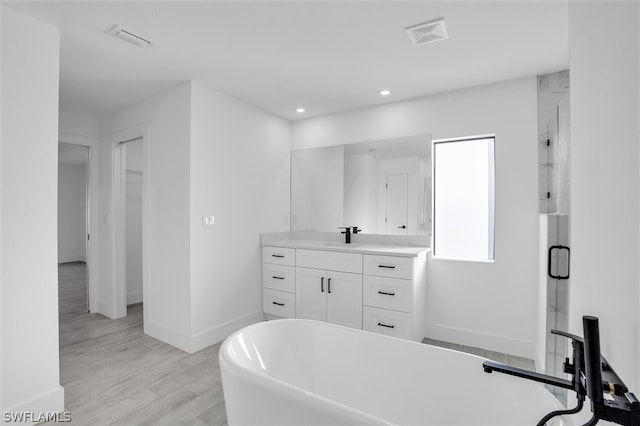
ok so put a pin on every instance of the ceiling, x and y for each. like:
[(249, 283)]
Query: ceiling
[(326, 56)]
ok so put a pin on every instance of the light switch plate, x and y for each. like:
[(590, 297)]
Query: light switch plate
[(208, 221)]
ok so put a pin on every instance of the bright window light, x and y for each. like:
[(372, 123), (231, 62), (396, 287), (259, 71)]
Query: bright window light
[(463, 199)]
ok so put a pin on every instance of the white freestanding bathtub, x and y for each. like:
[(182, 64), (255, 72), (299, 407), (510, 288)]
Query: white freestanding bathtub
[(301, 372)]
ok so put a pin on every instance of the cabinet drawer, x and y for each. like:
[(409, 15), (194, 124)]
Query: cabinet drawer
[(388, 266), (388, 293), (279, 256), (279, 303), (279, 277), (329, 260), (383, 321)]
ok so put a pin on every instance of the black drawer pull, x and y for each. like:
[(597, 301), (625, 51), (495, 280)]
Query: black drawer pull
[(386, 266), (277, 278), (384, 325), (277, 303), (277, 255), (386, 294)]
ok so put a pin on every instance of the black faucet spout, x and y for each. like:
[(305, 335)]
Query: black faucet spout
[(347, 234)]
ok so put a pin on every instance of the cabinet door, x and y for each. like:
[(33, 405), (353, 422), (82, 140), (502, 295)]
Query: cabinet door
[(344, 299), (311, 291)]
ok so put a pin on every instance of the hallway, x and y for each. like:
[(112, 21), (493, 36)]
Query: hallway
[(113, 373)]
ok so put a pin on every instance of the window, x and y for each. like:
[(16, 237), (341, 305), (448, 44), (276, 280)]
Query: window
[(463, 198)]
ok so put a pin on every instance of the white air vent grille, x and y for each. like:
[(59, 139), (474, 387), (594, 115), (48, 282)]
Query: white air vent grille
[(427, 32), (131, 37)]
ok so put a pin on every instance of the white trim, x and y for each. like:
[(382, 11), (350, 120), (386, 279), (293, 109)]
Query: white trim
[(71, 258), (199, 341), (134, 297), (219, 333), (117, 240), (493, 342), (92, 258), (48, 402)]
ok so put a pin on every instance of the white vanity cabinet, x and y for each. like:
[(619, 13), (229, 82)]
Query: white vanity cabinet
[(279, 282), (394, 296), (376, 292), (331, 296), (329, 287)]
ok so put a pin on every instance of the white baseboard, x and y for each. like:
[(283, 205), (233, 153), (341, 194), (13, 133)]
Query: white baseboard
[(134, 297), (194, 343), (72, 258), (168, 335), (220, 332), (106, 309), (49, 402), (518, 347)]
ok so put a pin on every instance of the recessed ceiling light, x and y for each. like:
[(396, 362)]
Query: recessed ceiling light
[(300, 110), (385, 92)]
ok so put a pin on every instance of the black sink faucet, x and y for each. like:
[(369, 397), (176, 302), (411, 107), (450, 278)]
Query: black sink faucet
[(347, 234), (355, 230)]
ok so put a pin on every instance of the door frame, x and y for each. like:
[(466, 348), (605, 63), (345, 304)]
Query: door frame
[(91, 247), (118, 204)]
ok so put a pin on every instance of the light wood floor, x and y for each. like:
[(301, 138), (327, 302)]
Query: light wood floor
[(114, 374)]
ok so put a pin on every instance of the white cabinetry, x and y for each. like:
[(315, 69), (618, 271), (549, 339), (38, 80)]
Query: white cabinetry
[(330, 296), (394, 296), (380, 293), (279, 282)]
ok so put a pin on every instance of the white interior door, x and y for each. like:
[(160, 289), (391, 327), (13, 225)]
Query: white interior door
[(396, 196)]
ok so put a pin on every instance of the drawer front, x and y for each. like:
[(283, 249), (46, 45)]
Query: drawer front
[(279, 277), (388, 293), (279, 303), (329, 260), (388, 266), (383, 321), (279, 256)]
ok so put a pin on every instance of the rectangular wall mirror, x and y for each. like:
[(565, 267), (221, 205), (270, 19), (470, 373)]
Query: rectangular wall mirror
[(382, 187)]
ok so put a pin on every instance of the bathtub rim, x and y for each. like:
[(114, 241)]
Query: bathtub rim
[(256, 376), (250, 374)]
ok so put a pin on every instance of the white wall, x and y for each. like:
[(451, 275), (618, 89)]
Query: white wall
[(362, 192), (30, 367), (167, 299), (317, 185), (72, 212), (240, 175), (478, 304), (76, 124), (605, 177)]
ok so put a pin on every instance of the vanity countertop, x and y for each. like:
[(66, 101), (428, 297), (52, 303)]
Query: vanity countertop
[(355, 247)]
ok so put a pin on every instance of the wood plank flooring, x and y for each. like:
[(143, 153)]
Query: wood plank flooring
[(114, 374)]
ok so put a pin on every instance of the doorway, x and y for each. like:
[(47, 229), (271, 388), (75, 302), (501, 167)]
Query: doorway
[(73, 226), (129, 204)]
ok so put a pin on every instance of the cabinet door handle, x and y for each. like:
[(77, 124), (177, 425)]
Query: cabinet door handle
[(386, 266), (386, 325), (329, 285), (321, 284), (277, 255), (386, 294), (277, 303), (277, 278)]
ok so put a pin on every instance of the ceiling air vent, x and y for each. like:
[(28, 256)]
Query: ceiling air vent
[(427, 32), (131, 37)]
